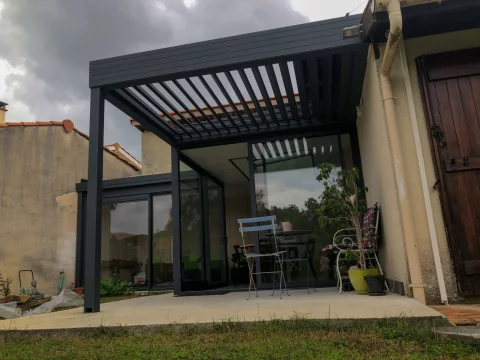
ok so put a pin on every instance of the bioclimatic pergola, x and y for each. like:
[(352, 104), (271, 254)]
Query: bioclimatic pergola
[(291, 80)]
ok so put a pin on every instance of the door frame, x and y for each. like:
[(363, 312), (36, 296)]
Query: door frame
[(449, 65)]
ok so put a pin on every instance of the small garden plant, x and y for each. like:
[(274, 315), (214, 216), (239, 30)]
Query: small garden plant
[(5, 286), (113, 287)]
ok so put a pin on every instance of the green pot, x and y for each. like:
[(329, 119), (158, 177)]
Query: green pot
[(358, 281)]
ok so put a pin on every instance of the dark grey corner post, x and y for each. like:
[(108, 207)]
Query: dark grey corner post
[(93, 231), (176, 230)]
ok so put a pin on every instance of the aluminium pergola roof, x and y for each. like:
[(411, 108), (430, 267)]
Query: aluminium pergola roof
[(291, 79)]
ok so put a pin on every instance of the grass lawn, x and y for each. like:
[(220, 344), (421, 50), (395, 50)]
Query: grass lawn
[(294, 339)]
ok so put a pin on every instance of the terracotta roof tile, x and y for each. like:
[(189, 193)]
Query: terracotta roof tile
[(69, 126)]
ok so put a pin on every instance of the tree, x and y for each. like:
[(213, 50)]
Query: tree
[(342, 202)]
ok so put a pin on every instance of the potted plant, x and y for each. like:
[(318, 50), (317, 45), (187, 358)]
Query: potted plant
[(287, 225), (239, 271), (343, 204)]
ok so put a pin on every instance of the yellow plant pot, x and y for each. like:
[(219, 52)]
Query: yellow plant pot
[(358, 281)]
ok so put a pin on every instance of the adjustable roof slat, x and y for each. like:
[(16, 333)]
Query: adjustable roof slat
[(314, 87), (345, 84), (237, 91), (252, 95), (146, 109), (194, 104), (276, 90), (302, 92), (161, 109), (287, 82), (128, 106), (216, 99), (266, 97), (229, 99), (199, 94), (171, 106), (327, 86), (180, 102)]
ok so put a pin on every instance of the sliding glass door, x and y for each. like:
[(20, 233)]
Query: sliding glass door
[(202, 231), (286, 185), (137, 241)]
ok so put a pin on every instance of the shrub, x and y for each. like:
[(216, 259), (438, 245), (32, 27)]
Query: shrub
[(114, 287)]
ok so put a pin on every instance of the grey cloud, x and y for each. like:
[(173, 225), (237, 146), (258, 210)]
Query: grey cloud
[(55, 39)]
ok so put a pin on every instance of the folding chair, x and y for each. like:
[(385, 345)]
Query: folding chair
[(307, 257), (276, 254)]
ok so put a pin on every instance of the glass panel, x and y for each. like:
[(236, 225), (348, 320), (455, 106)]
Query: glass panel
[(193, 276), (162, 241), (125, 242), (286, 186), (217, 235)]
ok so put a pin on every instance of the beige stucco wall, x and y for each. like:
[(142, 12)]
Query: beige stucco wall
[(39, 167), (377, 166), (156, 155), (379, 173)]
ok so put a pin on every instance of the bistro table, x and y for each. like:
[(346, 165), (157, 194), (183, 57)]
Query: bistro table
[(288, 240)]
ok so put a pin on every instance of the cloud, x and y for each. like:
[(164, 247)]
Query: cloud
[(45, 47)]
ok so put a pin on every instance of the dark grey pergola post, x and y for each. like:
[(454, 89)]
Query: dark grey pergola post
[(94, 202), (176, 228)]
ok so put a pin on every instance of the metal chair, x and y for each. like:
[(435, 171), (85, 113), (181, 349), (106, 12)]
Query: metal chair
[(276, 254), (308, 257), (345, 239)]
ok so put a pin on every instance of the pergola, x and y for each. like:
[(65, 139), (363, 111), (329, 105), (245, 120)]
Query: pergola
[(297, 79)]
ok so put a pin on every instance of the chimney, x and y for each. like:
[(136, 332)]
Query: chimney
[(3, 110)]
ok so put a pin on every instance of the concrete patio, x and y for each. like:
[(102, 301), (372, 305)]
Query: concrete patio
[(165, 309)]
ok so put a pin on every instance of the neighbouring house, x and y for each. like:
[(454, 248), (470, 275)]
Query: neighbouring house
[(235, 128), (40, 164)]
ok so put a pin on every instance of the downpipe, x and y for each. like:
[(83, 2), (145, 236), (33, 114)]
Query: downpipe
[(395, 17)]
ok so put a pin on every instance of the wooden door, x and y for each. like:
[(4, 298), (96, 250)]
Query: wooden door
[(451, 89)]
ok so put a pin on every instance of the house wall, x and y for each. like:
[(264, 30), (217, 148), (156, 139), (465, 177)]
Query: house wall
[(39, 167), (378, 172), (415, 48), (156, 155), (378, 169)]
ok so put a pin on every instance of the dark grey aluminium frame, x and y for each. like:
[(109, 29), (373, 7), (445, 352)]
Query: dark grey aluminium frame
[(328, 68)]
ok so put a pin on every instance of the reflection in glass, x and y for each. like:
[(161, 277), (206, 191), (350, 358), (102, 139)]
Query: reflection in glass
[(217, 237), (193, 276), (286, 186), (125, 242), (162, 241)]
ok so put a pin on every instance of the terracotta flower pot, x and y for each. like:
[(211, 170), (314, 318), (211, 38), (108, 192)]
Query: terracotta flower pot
[(287, 226), (357, 278), (79, 291)]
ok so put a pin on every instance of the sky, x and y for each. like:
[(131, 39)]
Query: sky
[(46, 45)]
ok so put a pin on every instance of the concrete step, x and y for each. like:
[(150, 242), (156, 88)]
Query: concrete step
[(464, 333)]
